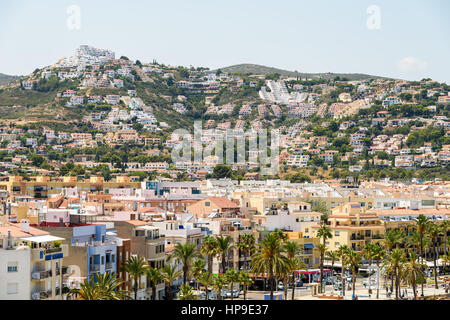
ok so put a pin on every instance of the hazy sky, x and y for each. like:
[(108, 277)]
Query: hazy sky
[(412, 41)]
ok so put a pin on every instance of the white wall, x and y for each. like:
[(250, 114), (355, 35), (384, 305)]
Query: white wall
[(22, 277)]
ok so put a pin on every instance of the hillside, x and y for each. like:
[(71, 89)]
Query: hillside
[(259, 69), (6, 79)]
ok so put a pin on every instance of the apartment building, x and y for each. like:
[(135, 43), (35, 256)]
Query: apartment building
[(31, 263)]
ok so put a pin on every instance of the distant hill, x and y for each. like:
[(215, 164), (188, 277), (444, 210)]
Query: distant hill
[(258, 69), (5, 79)]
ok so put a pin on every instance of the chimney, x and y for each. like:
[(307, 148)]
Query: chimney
[(25, 225)]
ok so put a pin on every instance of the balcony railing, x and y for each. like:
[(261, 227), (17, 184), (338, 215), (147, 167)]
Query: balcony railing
[(357, 238), (94, 268), (108, 265), (376, 237), (39, 275), (52, 250), (41, 294)]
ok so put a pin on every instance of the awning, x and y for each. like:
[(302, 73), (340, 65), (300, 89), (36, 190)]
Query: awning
[(309, 246), (44, 238)]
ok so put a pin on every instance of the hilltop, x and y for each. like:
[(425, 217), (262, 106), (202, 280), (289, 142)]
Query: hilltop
[(247, 68)]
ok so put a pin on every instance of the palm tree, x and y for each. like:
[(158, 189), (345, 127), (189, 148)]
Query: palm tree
[(87, 291), (292, 248), (445, 259), (206, 279), (324, 233), (434, 232), (232, 277), (186, 293), (185, 253), (414, 240), (108, 284), (247, 245), (378, 254), (269, 260), (422, 224), (245, 280), (218, 284), (223, 247), (135, 266), (393, 267), (368, 253), (392, 239), (342, 250), (154, 276), (354, 260), (444, 226), (198, 266), (413, 271), (209, 249), (293, 265), (333, 256), (170, 274), (104, 288)]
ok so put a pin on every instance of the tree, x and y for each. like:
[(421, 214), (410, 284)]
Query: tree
[(413, 271), (444, 226), (186, 293), (324, 233), (197, 269), (245, 280), (185, 253), (378, 254), (232, 276), (170, 274), (136, 267), (393, 267), (269, 260), (333, 256), (218, 284), (206, 280), (104, 287), (209, 249), (421, 225), (154, 276), (342, 250), (223, 247), (434, 232), (354, 260), (247, 244), (222, 171)]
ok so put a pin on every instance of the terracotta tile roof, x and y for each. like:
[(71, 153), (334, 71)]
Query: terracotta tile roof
[(223, 202), (138, 222), (17, 232)]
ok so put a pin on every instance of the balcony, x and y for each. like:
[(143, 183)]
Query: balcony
[(65, 270), (94, 268), (41, 294), (356, 238), (40, 275), (108, 265), (377, 237)]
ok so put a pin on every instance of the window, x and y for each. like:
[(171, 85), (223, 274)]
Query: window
[(336, 244), (13, 288), (12, 266), (207, 204), (336, 233), (103, 259)]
